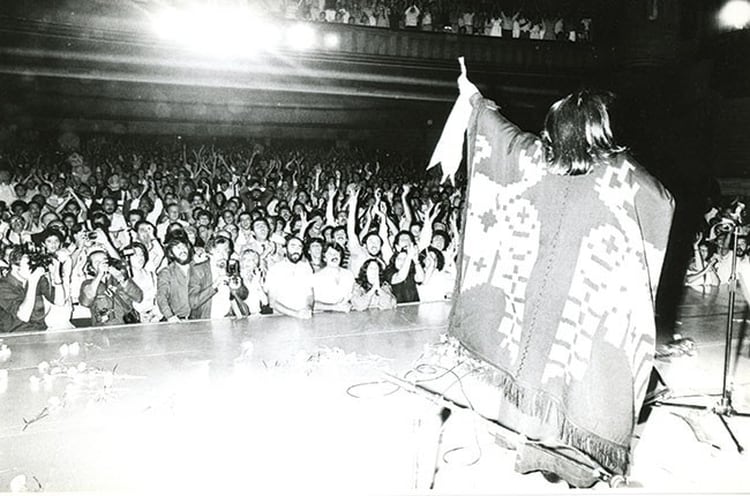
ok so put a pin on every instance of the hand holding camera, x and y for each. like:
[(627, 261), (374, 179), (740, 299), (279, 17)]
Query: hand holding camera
[(117, 274), (37, 274), (102, 270), (220, 281)]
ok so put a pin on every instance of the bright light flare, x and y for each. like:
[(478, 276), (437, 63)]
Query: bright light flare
[(331, 40), (301, 37), (735, 14), (227, 32)]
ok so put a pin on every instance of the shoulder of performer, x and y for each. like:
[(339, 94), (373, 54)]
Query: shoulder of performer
[(645, 180), (479, 101)]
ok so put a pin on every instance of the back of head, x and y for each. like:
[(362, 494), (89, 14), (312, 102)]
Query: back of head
[(577, 133)]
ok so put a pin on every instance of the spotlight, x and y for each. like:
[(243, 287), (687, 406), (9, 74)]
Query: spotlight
[(331, 40), (735, 15), (221, 32), (301, 37)]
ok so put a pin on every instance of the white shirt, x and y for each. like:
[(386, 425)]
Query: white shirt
[(411, 16), (118, 230), (7, 194), (333, 285), (290, 283), (438, 287), (724, 268)]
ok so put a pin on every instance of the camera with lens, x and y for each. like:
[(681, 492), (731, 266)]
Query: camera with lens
[(40, 259), (233, 268), (117, 263), (37, 257)]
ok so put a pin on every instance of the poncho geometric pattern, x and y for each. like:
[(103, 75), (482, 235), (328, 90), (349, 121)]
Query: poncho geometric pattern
[(557, 283)]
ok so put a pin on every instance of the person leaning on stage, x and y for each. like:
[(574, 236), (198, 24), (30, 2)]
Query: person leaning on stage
[(213, 292), (289, 283), (23, 291), (108, 291), (333, 285), (371, 290), (172, 280)]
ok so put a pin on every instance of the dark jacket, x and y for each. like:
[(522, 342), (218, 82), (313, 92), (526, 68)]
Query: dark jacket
[(12, 293), (201, 290), (112, 300), (172, 291)]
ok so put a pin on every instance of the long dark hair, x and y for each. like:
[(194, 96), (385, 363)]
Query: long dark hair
[(362, 276), (577, 133)]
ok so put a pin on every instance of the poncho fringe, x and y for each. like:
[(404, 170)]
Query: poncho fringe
[(534, 403)]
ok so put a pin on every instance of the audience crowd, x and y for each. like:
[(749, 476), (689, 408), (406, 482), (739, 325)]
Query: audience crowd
[(507, 19), (713, 248), (138, 230)]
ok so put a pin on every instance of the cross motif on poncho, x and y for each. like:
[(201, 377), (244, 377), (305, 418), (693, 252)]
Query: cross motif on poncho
[(495, 208)]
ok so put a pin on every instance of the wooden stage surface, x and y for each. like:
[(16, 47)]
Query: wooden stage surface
[(277, 404)]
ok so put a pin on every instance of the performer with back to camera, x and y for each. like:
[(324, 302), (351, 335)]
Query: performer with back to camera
[(561, 254)]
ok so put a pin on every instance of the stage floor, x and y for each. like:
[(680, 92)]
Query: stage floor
[(277, 404)]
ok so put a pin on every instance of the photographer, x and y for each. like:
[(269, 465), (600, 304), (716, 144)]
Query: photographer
[(98, 236), (108, 292), (215, 288), (24, 290), (61, 267)]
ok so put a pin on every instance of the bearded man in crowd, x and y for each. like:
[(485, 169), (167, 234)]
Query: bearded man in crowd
[(289, 283), (172, 280)]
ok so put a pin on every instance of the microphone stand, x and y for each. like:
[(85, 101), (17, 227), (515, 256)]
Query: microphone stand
[(723, 409)]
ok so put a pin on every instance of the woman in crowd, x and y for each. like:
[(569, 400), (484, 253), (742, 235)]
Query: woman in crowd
[(437, 284), (404, 273), (333, 285), (371, 291), (144, 276), (701, 273), (252, 275)]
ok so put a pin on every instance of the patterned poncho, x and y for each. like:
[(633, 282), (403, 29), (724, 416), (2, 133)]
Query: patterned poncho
[(556, 291)]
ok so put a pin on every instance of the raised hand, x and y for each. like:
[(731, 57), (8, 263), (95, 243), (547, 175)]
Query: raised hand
[(465, 87)]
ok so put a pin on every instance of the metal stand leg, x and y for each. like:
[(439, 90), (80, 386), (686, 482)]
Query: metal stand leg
[(724, 407), (740, 449)]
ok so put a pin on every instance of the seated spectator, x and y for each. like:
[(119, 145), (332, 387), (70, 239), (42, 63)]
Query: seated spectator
[(146, 235), (314, 253), (289, 283), (117, 226), (404, 273), (701, 273), (144, 275), (172, 281), (437, 284), (17, 234), (371, 291), (172, 212), (58, 316), (253, 277), (108, 292), (214, 291), (333, 285), (24, 292)]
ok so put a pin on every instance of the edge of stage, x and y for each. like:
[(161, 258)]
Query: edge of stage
[(280, 404)]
